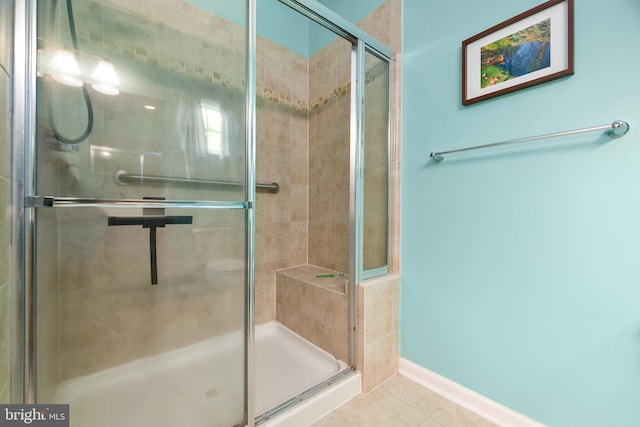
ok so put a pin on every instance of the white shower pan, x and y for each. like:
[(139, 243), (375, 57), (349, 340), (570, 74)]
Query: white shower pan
[(186, 387)]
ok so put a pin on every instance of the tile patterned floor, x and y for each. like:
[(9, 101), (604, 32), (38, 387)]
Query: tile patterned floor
[(400, 402)]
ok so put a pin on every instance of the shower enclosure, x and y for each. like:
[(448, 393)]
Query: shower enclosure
[(200, 199)]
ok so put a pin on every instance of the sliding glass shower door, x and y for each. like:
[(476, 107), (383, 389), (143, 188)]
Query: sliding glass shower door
[(141, 211)]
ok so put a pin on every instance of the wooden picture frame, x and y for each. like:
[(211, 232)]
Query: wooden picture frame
[(533, 47)]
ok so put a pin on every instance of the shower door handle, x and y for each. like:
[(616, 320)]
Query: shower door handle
[(39, 201)]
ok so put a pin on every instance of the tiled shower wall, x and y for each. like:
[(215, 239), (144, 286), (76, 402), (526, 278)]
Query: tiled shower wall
[(282, 151), (303, 141), (6, 291), (329, 156)]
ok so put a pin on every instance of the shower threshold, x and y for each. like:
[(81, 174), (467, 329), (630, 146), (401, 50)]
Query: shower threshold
[(199, 385), (286, 366)]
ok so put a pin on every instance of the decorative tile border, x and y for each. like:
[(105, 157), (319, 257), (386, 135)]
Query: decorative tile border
[(156, 59), (301, 105), (159, 60), (376, 72)]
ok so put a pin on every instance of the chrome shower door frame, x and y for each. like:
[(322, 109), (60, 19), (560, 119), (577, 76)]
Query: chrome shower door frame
[(23, 179), (25, 202)]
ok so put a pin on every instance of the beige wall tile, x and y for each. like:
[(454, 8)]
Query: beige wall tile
[(380, 360), (282, 151), (378, 330), (381, 307)]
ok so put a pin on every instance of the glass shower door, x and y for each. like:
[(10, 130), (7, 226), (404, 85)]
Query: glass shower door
[(140, 210)]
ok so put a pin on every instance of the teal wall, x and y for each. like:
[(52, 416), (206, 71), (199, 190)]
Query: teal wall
[(283, 25), (352, 10), (275, 21), (521, 265)]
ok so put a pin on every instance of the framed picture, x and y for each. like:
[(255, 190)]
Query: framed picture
[(531, 48)]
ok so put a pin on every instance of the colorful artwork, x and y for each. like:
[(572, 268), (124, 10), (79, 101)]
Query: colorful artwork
[(513, 56), (517, 53)]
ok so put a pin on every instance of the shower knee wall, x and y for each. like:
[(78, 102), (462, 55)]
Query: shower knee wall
[(316, 308)]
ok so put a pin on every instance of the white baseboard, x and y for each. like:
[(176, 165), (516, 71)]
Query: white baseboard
[(466, 398)]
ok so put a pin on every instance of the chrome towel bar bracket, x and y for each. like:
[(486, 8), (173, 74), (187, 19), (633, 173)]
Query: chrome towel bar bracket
[(616, 129)]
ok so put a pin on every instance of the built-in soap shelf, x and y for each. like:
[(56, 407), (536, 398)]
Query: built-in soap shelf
[(317, 276)]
